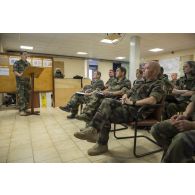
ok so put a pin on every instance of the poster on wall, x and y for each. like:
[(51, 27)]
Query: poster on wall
[(12, 59), (37, 62), (47, 63), (170, 65), (4, 71)]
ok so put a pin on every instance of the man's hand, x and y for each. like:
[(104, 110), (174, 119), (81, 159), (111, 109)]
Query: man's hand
[(183, 125), (20, 74), (178, 117), (88, 94), (124, 97), (188, 93), (106, 92)]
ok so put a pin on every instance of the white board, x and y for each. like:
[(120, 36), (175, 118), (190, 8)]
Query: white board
[(170, 65)]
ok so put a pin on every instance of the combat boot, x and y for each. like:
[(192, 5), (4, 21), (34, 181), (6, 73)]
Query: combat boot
[(90, 134), (97, 149), (22, 113), (65, 108), (83, 117), (71, 116)]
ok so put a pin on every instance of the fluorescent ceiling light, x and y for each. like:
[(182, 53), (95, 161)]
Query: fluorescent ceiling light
[(109, 41), (120, 58), (26, 47), (82, 53), (156, 50)]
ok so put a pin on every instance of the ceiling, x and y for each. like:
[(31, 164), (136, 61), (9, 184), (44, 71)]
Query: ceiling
[(70, 43)]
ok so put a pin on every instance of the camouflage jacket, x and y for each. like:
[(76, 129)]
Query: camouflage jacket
[(19, 66), (117, 85), (110, 81), (184, 83), (167, 85), (138, 81), (97, 84), (149, 88)]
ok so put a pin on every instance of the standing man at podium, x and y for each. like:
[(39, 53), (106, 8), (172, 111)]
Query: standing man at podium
[(22, 84)]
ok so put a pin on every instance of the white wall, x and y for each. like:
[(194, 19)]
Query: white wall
[(73, 67), (104, 68)]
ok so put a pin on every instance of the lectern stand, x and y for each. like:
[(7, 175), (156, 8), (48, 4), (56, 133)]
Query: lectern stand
[(32, 72)]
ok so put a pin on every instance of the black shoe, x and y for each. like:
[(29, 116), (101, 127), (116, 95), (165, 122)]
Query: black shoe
[(71, 116), (65, 108)]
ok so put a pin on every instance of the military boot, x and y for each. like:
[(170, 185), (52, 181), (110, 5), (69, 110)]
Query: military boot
[(90, 134), (83, 117), (71, 116), (97, 149), (22, 113), (65, 108)]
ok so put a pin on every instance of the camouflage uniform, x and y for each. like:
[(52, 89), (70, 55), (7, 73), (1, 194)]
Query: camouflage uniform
[(177, 146), (173, 82), (110, 81), (138, 81), (167, 85), (183, 83), (22, 85), (95, 100), (77, 99), (112, 111)]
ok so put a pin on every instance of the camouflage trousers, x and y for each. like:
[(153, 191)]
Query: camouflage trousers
[(92, 105), (173, 108), (75, 101), (111, 111), (23, 95), (179, 147)]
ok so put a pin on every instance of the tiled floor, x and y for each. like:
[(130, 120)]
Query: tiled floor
[(48, 138)]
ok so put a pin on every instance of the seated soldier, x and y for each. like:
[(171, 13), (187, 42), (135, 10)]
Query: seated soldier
[(116, 89), (174, 79), (177, 136), (185, 88), (77, 99), (167, 86), (111, 78), (115, 111)]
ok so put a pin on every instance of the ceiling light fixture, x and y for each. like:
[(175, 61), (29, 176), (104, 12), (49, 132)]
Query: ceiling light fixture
[(82, 53), (120, 58), (26, 47), (111, 38), (156, 50)]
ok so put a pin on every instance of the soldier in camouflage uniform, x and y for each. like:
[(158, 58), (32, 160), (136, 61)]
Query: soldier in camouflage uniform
[(116, 89), (174, 79), (22, 84), (114, 111), (185, 88), (139, 76), (167, 85), (111, 79), (177, 136), (72, 106)]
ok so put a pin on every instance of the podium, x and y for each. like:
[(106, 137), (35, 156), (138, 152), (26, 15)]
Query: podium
[(32, 72)]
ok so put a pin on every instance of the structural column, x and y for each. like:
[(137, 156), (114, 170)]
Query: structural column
[(134, 58), (1, 45)]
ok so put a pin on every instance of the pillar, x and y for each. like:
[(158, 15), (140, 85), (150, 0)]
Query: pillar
[(134, 58)]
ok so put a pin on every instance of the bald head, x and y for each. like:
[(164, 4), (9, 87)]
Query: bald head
[(151, 70)]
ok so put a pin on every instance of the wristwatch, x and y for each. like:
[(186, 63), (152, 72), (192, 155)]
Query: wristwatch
[(134, 102)]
